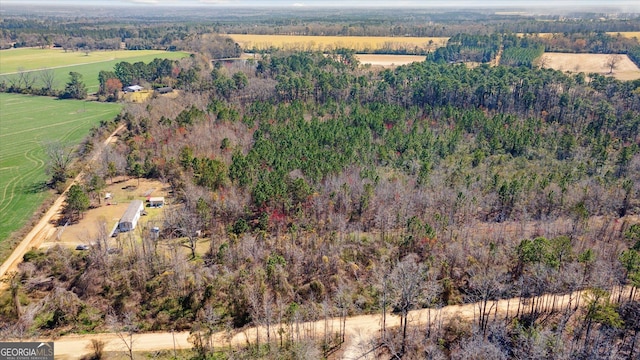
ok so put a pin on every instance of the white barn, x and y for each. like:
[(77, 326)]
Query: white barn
[(131, 216), (156, 202), (133, 88)]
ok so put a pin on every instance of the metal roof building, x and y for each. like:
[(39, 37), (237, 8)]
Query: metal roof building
[(130, 218), (157, 201), (133, 88)]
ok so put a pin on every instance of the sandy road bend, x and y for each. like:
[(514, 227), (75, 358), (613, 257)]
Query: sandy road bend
[(44, 228), (361, 330)]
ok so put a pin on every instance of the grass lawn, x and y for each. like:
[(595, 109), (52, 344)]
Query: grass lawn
[(26, 122), (62, 63)]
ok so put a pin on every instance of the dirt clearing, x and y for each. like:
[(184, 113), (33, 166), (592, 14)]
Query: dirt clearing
[(109, 211)]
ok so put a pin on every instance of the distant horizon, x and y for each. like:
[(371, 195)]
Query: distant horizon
[(578, 5)]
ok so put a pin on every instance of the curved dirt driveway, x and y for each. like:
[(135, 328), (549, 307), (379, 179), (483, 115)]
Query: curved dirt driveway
[(44, 228), (361, 331)]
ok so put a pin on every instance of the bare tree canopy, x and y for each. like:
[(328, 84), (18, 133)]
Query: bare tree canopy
[(612, 62), (47, 78), (59, 158)]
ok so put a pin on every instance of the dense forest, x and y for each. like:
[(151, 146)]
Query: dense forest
[(322, 188)]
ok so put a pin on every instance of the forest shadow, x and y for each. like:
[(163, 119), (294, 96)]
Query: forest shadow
[(36, 187)]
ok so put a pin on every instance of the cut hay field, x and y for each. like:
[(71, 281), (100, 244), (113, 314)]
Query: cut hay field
[(591, 63), (627, 34), (26, 123), (62, 63), (328, 43)]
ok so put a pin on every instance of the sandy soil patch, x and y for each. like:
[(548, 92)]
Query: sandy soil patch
[(592, 63), (123, 191)]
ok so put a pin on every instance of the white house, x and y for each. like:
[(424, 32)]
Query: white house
[(130, 218), (156, 201), (133, 88)]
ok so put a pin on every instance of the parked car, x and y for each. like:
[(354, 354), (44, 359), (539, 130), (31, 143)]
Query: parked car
[(82, 247)]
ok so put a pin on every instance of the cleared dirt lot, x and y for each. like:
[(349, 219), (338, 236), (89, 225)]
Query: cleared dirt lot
[(592, 63)]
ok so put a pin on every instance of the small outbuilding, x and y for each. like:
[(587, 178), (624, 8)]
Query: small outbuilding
[(131, 216), (156, 202), (133, 88), (164, 90)]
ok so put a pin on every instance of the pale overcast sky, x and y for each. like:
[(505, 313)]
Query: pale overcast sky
[(629, 5)]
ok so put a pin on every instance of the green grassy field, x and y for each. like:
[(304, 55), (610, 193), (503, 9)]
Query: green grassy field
[(62, 63), (26, 122)]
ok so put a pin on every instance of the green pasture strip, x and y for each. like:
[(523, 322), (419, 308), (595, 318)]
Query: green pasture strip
[(26, 123), (90, 71), (13, 60)]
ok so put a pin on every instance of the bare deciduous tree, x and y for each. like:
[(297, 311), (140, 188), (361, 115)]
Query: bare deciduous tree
[(59, 157), (477, 348), (48, 78), (485, 286), (543, 62), (343, 301), (124, 329), (184, 225), (25, 78), (407, 282), (612, 62)]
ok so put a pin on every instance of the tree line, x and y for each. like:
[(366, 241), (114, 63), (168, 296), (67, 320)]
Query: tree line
[(151, 30)]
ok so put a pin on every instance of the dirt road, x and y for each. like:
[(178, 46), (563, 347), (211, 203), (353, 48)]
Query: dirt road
[(361, 331), (45, 228)]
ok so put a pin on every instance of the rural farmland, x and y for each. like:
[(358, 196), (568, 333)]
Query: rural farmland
[(27, 123), (626, 34), (591, 63), (399, 182), (326, 43), (36, 60)]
